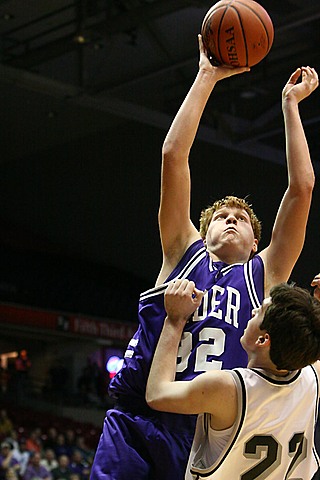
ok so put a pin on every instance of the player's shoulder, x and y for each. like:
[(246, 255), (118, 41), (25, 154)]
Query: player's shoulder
[(316, 367), (187, 261)]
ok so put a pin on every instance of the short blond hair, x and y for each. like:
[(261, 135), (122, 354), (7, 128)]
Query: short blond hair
[(231, 202)]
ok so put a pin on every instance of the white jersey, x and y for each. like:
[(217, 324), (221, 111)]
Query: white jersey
[(273, 436)]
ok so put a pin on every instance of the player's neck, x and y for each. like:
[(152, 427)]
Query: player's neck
[(229, 259), (268, 367), (278, 373)]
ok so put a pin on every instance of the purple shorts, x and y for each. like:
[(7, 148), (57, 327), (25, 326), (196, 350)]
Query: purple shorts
[(143, 447)]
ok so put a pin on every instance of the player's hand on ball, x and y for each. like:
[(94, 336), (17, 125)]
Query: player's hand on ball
[(299, 91), (316, 283), (220, 71)]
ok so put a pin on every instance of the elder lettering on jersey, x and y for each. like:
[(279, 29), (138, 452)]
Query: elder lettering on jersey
[(210, 306)]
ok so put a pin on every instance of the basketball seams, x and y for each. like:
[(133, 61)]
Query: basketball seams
[(252, 10), (214, 9), (243, 33), (217, 51), (219, 29)]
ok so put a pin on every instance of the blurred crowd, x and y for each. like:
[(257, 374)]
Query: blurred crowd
[(50, 454)]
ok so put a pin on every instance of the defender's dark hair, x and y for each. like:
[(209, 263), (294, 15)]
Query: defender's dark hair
[(293, 323)]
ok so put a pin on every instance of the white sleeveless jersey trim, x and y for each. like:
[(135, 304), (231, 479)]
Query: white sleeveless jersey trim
[(212, 266), (318, 389), (250, 284), (197, 257), (196, 466), (273, 379), (223, 270)]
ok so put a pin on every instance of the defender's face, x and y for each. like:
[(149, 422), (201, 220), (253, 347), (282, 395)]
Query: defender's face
[(230, 228), (253, 331)]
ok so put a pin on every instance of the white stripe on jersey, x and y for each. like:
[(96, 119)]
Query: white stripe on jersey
[(197, 257), (250, 284)]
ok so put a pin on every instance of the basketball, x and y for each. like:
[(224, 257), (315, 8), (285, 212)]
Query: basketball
[(237, 32)]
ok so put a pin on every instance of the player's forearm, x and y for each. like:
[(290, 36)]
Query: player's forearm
[(300, 169), (288, 233), (163, 368), (184, 127), (289, 229)]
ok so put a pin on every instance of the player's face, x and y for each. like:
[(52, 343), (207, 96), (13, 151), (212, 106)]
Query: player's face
[(253, 331), (230, 234)]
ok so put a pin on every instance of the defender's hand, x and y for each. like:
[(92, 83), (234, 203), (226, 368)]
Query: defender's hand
[(181, 299)]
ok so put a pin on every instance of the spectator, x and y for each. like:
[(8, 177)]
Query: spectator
[(23, 363), (22, 367), (12, 438), (34, 442), (62, 472), (22, 454), (7, 460), (34, 470), (6, 425), (12, 474), (79, 465), (61, 447), (51, 439), (86, 451), (70, 437), (49, 461)]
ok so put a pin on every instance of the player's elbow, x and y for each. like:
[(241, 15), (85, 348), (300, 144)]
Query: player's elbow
[(303, 188), (309, 183), (173, 150), (153, 403), (153, 398), (169, 147)]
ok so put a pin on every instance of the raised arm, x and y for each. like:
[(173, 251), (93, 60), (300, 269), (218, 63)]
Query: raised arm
[(213, 392), (176, 230), (290, 225)]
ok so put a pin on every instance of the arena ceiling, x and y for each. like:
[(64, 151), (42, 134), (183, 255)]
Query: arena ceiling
[(135, 59), (88, 91)]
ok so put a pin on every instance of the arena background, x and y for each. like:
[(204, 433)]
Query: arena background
[(88, 91)]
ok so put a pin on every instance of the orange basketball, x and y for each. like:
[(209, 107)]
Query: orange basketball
[(237, 32)]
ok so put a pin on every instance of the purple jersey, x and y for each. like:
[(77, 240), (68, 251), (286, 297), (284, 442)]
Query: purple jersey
[(211, 339), (148, 445)]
